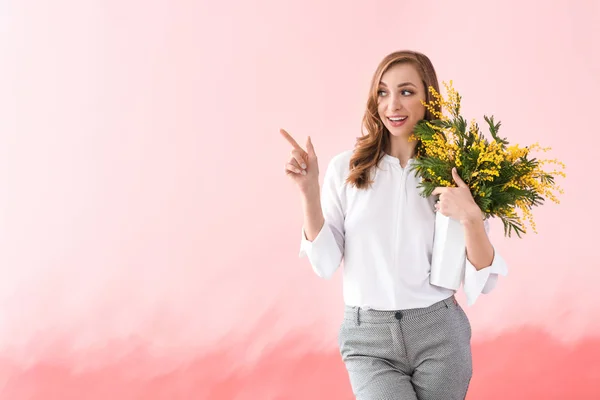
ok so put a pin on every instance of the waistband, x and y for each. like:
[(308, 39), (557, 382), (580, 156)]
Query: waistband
[(358, 314)]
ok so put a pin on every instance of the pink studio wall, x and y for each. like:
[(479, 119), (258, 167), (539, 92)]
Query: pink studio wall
[(148, 236)]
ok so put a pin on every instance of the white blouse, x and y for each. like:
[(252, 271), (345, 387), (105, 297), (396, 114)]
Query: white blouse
[(384, 235)]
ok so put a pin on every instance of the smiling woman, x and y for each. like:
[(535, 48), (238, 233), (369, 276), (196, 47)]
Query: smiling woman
[(402, 336)]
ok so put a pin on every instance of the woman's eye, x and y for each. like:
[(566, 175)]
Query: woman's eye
[(380, 93), (406, 93)]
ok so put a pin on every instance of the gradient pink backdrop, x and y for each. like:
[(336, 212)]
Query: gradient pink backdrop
[(149, 238)]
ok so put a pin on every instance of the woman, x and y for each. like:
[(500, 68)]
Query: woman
[(402, 337)]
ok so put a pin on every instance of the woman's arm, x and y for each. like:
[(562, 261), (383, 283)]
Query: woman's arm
[(482, 264), (480, 251), (323, 233), (313, 213)]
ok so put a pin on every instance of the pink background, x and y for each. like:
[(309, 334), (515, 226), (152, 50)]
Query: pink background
[(148, 235)]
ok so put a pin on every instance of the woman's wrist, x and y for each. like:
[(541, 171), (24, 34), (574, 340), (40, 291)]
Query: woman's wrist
[(473, 215)]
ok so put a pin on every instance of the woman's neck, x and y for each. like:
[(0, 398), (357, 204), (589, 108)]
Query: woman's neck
[(402, 149)]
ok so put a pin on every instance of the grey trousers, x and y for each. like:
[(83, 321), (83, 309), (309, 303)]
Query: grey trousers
[(422, 353)]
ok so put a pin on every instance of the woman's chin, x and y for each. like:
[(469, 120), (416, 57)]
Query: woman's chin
[(400, 132)]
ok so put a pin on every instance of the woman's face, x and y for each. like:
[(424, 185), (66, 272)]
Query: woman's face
[(399, 99)]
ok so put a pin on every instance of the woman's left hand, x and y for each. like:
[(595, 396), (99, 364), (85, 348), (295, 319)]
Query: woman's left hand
[(457, 202)]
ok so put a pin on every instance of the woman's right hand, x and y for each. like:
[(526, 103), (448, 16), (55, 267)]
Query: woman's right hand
[(302, 166)]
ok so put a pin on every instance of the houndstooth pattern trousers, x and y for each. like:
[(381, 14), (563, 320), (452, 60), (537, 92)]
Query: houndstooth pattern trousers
[(416, 354)]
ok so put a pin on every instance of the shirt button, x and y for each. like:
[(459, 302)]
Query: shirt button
[(398, 315)]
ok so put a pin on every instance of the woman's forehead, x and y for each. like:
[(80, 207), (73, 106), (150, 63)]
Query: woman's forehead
[(400, 73)]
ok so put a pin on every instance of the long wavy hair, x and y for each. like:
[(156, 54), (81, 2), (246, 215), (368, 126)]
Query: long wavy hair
[(375, 139)]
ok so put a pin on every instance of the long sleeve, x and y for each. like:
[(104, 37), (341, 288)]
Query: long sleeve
[(483, 281), (326, 251)]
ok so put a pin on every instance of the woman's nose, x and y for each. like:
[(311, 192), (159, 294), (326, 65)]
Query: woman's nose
[(395, 103)]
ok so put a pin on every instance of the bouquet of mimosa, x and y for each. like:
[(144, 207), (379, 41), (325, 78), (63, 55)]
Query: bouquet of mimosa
[(506, 181)]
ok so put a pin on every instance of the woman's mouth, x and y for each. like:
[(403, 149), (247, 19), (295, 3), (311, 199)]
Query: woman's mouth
[(397, 121)]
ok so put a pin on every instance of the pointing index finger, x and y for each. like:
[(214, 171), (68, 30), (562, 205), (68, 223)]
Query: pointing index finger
[(290, 139)]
